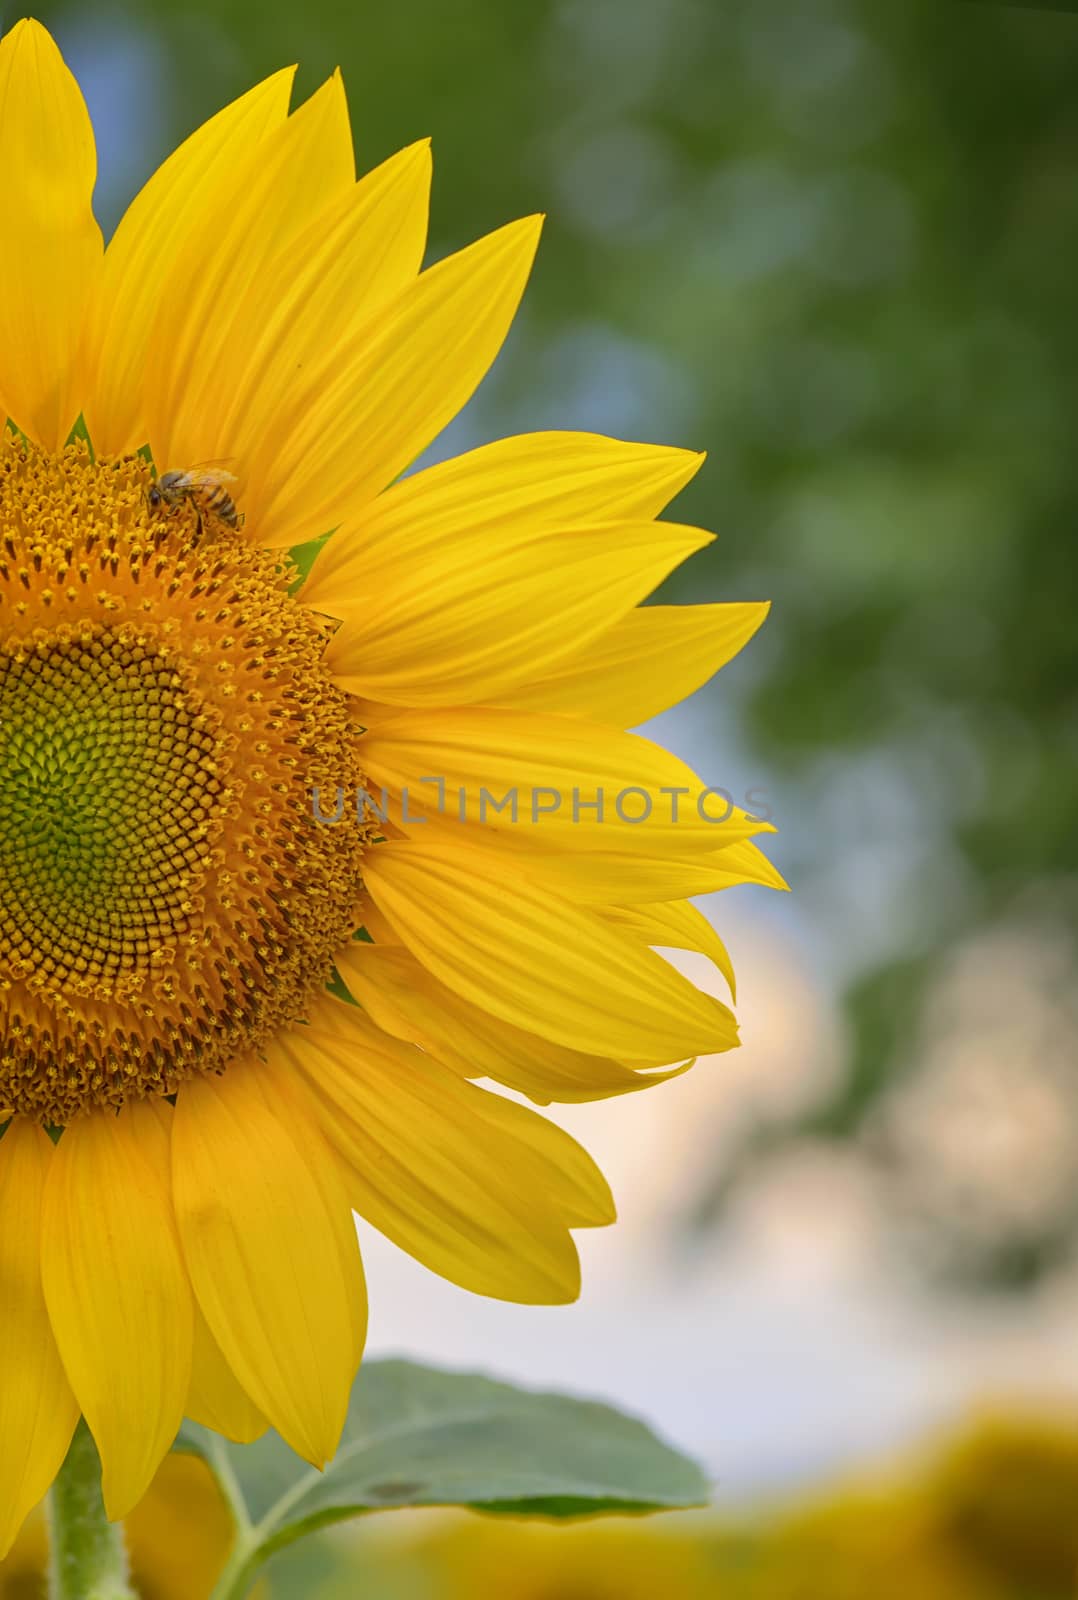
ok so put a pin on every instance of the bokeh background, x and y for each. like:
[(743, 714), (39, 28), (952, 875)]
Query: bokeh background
[(833, 243)]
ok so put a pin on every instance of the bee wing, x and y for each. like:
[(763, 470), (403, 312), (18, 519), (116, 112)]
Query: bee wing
[(207, 474)]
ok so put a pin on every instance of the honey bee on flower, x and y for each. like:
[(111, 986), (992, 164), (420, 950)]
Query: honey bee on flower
[(206, 487)]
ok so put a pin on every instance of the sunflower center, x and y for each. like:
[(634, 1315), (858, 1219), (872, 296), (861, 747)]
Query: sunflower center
[(167, 900), (107, 787)]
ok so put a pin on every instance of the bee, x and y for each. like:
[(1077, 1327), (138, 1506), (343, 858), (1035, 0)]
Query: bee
[(204, 486)]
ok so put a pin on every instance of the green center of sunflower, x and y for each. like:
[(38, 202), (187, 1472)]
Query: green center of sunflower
[(167, 899), (107, 787)]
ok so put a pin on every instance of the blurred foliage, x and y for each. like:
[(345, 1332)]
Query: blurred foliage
[(988, 1516), (832, 242)]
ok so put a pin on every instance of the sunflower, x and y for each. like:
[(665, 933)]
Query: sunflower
[(285, 866)]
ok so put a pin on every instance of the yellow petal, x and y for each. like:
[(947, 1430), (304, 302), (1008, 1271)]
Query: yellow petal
[(370, 407), (265, 1256), (359, 253), (603, 879), (651, 659), (293, 1106), (157, 228), (215, 1397), (118, 1296), (37, 1408), (274, 188), (556, 1167), (50, 245), (369, 918), (406, 1001), (429, 1167), (495, 936), (575, 785), (500, 491), (481, 619), (676, 925)]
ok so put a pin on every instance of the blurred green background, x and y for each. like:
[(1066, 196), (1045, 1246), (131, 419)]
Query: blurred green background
[(833, 243)]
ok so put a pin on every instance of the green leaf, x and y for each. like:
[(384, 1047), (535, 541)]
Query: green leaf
[(303, 557), (416, 1436)]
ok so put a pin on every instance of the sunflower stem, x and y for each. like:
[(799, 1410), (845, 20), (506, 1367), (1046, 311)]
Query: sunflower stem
[(239, 1572), (87, 1555)]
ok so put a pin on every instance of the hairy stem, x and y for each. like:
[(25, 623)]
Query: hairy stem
[(87, 1560)]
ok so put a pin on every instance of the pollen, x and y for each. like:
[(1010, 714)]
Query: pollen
[(167, 898)]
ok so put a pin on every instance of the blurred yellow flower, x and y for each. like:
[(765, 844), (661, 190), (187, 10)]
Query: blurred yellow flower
[(609, 1560), (1005, 1494), (851, 1551), (184, 732)]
